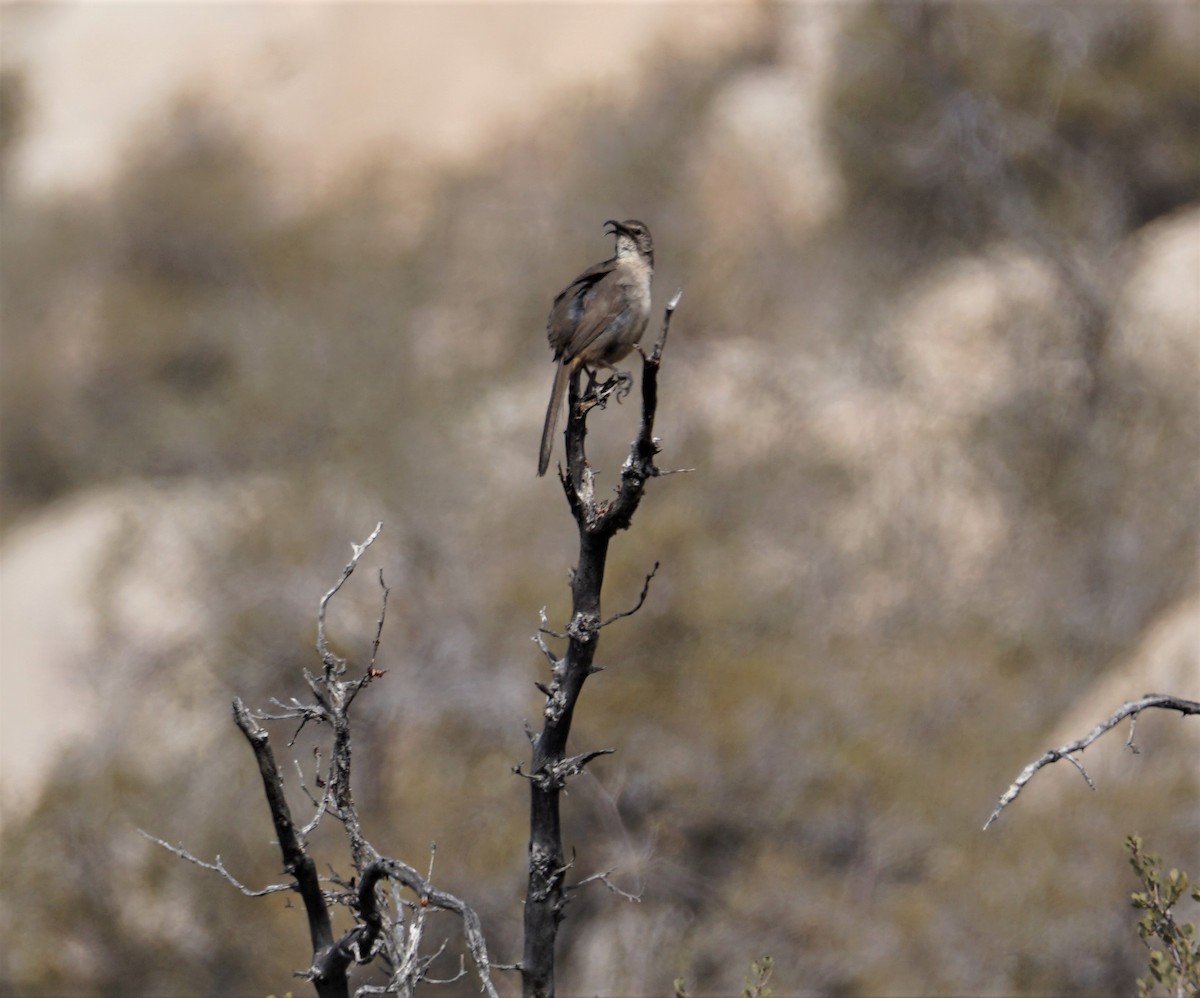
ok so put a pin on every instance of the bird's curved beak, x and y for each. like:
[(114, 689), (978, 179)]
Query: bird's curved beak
[(616, 227)]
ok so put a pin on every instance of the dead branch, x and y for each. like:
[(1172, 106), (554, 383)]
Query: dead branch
[(218, 867), (380, 929), (1130, 709), (597, 523)]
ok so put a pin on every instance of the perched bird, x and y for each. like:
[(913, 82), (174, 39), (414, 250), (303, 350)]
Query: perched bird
[(599, 317)]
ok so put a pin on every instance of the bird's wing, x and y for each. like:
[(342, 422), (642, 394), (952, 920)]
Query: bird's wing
[(571, 306), (607, 311)]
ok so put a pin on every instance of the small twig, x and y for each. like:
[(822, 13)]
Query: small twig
[(295, 734), (372, 672), (304, 786), (382, 614), (540, 641), (305, 711), (544, 628), (332, 662), (1082, 772), (604, 879), (641, 599), (1131, 709), (320, 807), (462, 970), (668, 312), (314, 685), (219, 867), (1129, 741)]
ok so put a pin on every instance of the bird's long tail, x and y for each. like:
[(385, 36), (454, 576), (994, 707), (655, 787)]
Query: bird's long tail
[(556, 396)]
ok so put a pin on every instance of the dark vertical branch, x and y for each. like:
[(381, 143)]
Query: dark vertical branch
[(597, 523), (296, 859)]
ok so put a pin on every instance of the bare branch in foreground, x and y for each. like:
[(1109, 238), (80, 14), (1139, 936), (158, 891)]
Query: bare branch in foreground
[(1130, 709), (383, 930)]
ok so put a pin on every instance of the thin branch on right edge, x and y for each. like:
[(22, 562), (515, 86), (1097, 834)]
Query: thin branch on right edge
[(1130, 709)]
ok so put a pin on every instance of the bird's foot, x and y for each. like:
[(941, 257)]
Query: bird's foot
[(620, 383)]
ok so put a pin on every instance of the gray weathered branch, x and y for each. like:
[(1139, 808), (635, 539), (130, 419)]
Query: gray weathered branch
[(1130, 709)]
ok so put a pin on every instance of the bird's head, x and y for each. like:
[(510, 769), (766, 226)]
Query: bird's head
[(632, 237)]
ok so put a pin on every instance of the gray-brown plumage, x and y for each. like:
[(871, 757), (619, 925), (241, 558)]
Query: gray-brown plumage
[(599, 317)]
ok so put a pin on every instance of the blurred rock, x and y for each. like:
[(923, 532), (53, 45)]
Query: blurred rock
[(1159, 314), (761, 161), (959, 343), (325, 87)]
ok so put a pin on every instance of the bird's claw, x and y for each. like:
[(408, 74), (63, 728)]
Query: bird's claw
[(620, 385), (624, 383)]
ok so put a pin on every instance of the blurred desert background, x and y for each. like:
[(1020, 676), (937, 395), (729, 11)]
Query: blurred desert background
[(274, 272)]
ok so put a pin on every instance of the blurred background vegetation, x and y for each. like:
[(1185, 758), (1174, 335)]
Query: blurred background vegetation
[(936, 366)]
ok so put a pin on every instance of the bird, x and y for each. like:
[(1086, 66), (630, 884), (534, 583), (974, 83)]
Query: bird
[(599, 317)]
